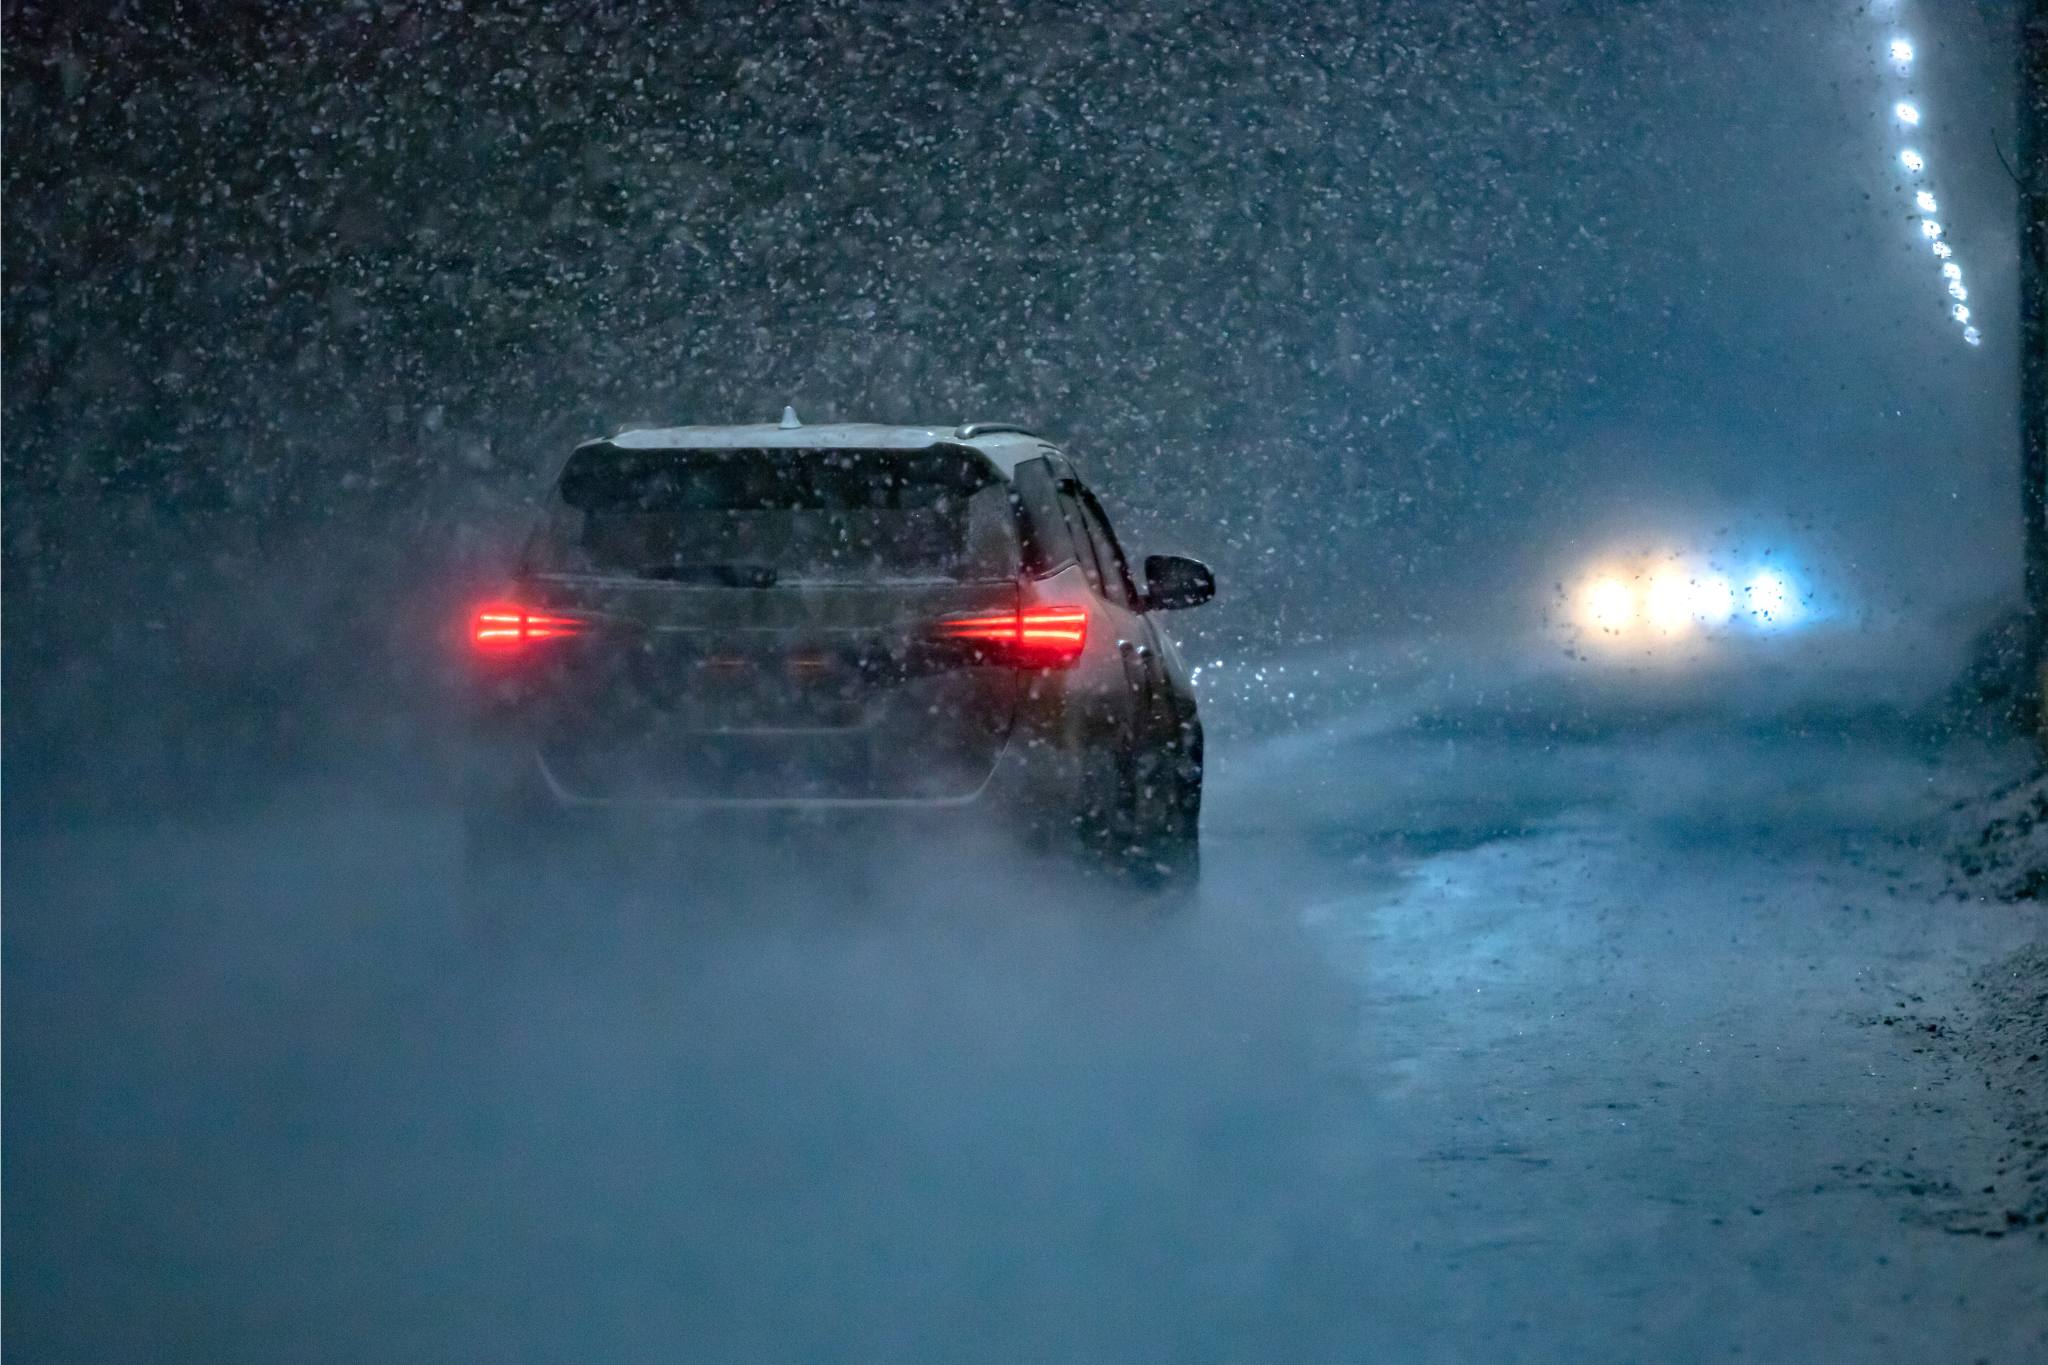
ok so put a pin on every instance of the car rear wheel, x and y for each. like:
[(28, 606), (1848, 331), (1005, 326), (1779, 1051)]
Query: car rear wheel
[(1139, 818), (1169, 858)]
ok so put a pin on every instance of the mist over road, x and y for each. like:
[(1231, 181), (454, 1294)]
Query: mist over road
[(1496, 1047), (1542, 1001)]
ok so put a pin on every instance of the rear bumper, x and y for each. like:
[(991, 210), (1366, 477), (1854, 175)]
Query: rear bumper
[(1034, 774), (1029, 775), (565, 799)]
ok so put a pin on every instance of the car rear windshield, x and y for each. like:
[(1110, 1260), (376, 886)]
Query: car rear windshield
[(757, 517)]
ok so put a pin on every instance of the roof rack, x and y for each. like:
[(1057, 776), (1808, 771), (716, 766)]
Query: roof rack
[(967, 431)]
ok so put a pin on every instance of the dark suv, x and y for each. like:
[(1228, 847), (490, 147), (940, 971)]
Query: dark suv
[(847, 617)]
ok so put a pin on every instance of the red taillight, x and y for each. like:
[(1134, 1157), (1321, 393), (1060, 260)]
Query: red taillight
[(1060, 632), (1037, 637), (1002, 629), (508, 626)]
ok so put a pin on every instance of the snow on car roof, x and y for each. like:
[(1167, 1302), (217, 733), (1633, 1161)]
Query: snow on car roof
[(1004, 449)]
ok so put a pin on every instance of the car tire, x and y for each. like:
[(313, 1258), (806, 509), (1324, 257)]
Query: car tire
[(1138, 819), (1168, 858)]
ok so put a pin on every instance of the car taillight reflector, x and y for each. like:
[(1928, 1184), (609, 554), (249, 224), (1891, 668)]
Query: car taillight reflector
[(1037, 637), (502, 626)]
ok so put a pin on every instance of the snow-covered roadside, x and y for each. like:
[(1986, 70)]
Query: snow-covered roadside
[(1999, 854), (2008, 1041)]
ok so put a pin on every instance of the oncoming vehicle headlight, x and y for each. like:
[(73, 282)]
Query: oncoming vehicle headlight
[(1713, 601), (1770, 599), (1610, 606), (1642, 600), (1665, 603)]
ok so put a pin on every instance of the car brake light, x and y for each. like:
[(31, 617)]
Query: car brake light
[(508, 626), (1039, 637)]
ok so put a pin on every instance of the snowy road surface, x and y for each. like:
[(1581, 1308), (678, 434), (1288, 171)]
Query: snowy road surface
[(1475, 1049)]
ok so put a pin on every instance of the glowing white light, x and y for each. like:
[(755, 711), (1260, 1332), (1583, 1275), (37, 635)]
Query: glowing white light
[(1713, 601), (1610, 604), (1669, 604), (1908, 113), (1770, 600)]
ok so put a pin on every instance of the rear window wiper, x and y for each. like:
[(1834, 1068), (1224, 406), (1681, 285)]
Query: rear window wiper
[(721, 575)]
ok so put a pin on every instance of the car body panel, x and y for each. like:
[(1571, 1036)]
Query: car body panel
[(812, 692), (760, 693)]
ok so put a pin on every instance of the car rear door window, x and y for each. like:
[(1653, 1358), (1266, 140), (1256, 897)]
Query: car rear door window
[(1048, 546), (1077, 527), (1109, 556)]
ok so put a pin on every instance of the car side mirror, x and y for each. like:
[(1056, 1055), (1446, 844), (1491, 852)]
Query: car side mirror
[(1175, 581)]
